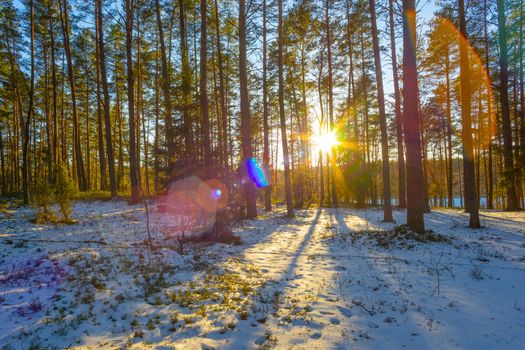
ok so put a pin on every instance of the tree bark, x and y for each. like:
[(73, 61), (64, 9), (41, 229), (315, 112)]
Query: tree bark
[(131, 106), (333, 194), (282, 117), (107, 107), (246, 127), (399, 116), (27, 123), (471, 197), (79, 160), (204, 88), (411, 120), (165, 83), (387, 206), (100, 129), (266, 146), (510, 178)]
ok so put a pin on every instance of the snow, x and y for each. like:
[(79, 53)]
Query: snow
[(319, 281)]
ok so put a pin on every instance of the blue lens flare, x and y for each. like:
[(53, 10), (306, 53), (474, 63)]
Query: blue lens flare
[(258, 172), (216, 193)]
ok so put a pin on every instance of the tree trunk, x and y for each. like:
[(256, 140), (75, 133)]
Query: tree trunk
[(222, 89), (490, 126), (399, 116), (186, 84), (56, 159), (133, 171), (510, 178), (282, 117), (471, 197), (165, 83), (266, 146), (27, 123), (203, 88), (79, 160), (411, 120), (330, 103), (107, 107), (387, 206), (100, 128), (246, 127)]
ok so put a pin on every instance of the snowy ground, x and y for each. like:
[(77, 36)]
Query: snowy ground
[(318, 281)]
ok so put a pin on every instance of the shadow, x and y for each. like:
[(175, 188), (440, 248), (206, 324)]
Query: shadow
[(247, 338)]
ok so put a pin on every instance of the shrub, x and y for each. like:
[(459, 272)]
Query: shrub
[(65, 190), (43, 196)]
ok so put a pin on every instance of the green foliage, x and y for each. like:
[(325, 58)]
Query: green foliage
[(43, 196), (65, 190)]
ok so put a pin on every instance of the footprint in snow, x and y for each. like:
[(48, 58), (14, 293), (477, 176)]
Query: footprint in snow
[(315, 335), (334, 321), (345, 311)]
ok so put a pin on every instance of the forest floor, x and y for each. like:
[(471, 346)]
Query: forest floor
[(328, 279)]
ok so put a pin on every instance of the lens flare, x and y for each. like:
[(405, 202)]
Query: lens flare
[(258, 172)]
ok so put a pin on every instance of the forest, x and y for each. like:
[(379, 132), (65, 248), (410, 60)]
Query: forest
[(165, 126)]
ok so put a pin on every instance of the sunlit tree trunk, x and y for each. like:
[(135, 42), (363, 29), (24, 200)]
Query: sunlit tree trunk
[(165, 83), (133, 171), (79, 159), (100, 132), (107, 107)]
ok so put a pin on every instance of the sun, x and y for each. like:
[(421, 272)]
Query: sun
[(324, 140)]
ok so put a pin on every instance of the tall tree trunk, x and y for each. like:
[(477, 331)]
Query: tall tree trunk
[(186, 83), (522, 95), (490, 126), (56, 158), (282, 117), (27, 123), (387, 206), (165, 83), (100, 127), (222, 88), (399, 116), (411, 120), (471, 197), (107, 107), (79, 160), (133, 171), (510, 178), (330, 102), (266, 146), (2, 165), (450, 192), (246, 127), (203, 87)]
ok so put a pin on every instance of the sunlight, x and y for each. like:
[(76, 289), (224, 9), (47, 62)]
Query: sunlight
[(324, 140)]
